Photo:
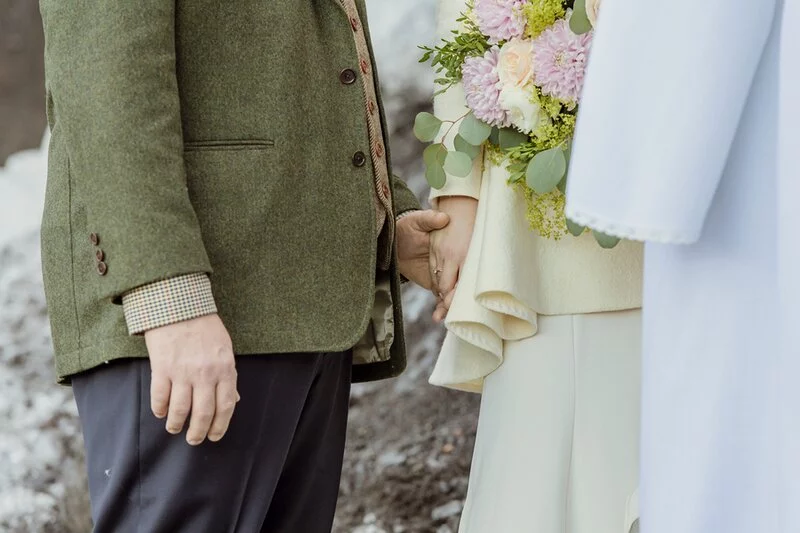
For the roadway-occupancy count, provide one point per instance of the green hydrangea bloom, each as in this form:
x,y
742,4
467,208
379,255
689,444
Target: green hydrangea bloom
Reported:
x,y
545,212
541,14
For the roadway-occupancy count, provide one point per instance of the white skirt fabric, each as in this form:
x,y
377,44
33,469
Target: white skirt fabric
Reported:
x,y
557,449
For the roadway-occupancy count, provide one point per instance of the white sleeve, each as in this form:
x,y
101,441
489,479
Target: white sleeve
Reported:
x,y
665,90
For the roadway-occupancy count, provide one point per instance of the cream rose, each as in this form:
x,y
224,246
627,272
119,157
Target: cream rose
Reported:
x,y
525,112
515,65
592,9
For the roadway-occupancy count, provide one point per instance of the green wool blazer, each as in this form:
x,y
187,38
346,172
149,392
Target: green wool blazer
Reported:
x,y
210,136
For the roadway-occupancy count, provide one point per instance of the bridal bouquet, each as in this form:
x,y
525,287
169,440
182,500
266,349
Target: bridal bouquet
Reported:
x,y
522,64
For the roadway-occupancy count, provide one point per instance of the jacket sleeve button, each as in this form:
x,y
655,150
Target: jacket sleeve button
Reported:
x,y
100,255
94,238
102,268
359,159
347,76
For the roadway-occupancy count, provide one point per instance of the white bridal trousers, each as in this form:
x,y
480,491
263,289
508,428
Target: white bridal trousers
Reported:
x,y
557,449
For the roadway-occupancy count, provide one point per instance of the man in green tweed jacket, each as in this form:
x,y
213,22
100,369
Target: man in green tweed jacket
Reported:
x,y
219,184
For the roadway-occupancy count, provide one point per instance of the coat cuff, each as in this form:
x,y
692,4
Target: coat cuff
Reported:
x,y
167,302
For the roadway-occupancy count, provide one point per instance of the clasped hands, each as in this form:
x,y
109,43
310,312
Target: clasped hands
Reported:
x,y
432,247
448,251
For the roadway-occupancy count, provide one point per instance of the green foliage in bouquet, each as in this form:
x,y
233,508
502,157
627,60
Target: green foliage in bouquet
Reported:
x,y
448,57
537,162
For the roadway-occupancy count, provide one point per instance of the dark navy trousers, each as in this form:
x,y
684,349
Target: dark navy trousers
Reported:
x,y
277,470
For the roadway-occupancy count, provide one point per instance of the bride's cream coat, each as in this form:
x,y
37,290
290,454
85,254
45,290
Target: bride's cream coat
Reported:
x,y
511,274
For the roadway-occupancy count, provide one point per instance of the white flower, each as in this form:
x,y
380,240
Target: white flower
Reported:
x,y
592,9
523,109
515,65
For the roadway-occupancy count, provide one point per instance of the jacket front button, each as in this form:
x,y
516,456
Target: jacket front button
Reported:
x,y
102,268
385,189
371,107
94,238
354,23
347,76
100,255
379,150
359,159
364,66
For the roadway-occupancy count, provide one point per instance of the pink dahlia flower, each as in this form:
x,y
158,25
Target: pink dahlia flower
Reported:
x,y
500,20
482,88
559,61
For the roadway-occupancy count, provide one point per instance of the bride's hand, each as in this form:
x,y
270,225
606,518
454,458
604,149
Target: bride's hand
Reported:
x,y
449,249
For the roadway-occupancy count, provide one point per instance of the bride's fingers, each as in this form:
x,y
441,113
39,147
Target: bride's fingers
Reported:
x,y
448,299
433,268
447,279
440,313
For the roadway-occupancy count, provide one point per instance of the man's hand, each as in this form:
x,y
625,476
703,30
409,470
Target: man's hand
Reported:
x,y
449,249
413,244
193,371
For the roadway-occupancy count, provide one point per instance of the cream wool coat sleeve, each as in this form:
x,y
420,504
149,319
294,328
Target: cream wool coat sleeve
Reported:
x,y
451,105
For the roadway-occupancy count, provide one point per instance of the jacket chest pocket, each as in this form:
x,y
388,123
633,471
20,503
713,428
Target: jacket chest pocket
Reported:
x,y
228,145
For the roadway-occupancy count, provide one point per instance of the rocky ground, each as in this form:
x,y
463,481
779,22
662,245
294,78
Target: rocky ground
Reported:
x,y
409,443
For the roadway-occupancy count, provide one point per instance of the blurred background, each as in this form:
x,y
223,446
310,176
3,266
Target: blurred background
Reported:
x,y
409,444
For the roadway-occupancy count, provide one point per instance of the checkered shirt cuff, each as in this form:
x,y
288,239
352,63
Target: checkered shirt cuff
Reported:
x,y
167,302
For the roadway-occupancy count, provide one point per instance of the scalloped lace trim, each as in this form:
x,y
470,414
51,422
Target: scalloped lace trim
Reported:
x,y
629,232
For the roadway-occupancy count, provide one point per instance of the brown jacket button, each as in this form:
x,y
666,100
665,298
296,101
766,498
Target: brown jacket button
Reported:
x,y
354,23
100,255
347,76
385,189
371,107
94,238
379,150
102,268
364,66
359,159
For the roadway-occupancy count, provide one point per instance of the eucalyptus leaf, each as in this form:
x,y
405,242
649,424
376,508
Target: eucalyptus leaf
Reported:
x,y
511,138
575,228
434,154
562,185
463,146
605,241
545,170
435,176
494,137
579,21
473,130
426,127
458,164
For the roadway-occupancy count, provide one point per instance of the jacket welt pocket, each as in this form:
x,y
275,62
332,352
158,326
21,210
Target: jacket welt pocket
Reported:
x,y
233,145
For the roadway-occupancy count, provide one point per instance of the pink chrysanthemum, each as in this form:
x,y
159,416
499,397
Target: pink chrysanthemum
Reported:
x,y
500,20
482,88
559,61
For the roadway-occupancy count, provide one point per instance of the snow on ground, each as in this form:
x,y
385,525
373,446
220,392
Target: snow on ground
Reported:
x,y
40,443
